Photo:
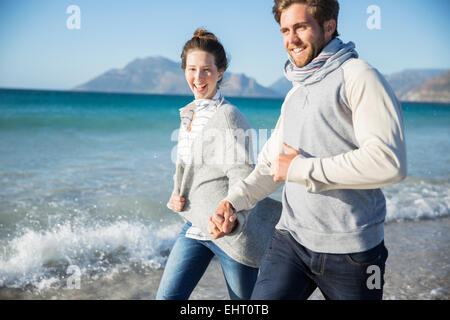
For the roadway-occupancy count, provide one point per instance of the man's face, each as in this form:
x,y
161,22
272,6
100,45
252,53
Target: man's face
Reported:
x,y
303,37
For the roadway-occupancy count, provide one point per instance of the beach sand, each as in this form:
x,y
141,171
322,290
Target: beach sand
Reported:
x,y
418,267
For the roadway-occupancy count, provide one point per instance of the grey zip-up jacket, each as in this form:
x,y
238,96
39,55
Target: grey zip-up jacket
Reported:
x,y
348,126
221,158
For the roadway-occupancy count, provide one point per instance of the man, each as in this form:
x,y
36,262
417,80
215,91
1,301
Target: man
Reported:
x,y
338,140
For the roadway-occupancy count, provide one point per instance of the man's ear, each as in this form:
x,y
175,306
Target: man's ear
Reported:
x,y
329,27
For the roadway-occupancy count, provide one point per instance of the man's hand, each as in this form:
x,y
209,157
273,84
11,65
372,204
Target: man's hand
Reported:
x,y
223,221
176,203
280,165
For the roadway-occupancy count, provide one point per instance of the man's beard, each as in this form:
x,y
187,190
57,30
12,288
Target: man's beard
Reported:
x,y
312,51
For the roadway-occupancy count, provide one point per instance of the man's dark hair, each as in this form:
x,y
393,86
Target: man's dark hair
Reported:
x,y
321,10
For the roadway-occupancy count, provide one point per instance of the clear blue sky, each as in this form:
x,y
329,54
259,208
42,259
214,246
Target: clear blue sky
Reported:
x,y
37,50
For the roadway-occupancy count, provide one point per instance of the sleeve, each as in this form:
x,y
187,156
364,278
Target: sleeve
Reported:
x,y
380,159
175,158
245,193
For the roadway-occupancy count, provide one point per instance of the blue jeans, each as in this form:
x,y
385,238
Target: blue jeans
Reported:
x,y
187,263
290,271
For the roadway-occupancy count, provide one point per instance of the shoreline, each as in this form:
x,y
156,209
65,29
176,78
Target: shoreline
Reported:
x,y
418,268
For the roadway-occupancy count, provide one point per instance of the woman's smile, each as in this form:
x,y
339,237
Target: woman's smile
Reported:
x,y
202,74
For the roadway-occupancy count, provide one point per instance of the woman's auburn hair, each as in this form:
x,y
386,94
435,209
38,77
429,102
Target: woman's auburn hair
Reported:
x,y
206,41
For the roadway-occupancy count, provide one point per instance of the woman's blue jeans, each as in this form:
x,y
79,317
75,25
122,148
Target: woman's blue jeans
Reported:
x,y
187,263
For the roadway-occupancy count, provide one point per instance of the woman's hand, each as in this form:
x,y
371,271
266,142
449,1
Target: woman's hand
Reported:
x,y
213,230
223,221
176,203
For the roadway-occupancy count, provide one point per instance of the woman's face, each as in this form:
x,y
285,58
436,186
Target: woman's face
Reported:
x,y
202,74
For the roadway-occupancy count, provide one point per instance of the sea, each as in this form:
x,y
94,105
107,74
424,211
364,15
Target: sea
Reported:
x,y
85,178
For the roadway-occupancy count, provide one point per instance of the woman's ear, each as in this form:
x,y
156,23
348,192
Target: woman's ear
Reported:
x,y
221,72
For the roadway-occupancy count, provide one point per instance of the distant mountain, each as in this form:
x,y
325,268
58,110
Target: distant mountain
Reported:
x,y
281,86
434,90
159,75
239,85
407,80
408,85
156,75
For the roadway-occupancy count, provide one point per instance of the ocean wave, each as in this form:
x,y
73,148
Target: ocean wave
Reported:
x,y
418,198
44,255
43,260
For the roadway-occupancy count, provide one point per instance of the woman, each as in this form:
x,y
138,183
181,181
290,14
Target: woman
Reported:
x,y
213,154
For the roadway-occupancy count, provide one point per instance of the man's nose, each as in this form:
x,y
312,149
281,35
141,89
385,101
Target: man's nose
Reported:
x,y
293,37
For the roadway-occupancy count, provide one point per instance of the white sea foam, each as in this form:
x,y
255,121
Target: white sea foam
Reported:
x,y
40,259
109,239
417,198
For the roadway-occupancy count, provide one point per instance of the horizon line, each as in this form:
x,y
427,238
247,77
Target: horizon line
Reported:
x,y
181,95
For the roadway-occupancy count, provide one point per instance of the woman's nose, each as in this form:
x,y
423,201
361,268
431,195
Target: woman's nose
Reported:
x,y
199,75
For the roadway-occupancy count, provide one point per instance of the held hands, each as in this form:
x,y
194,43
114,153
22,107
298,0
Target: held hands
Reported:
x,y
176,203
280,165
223,221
